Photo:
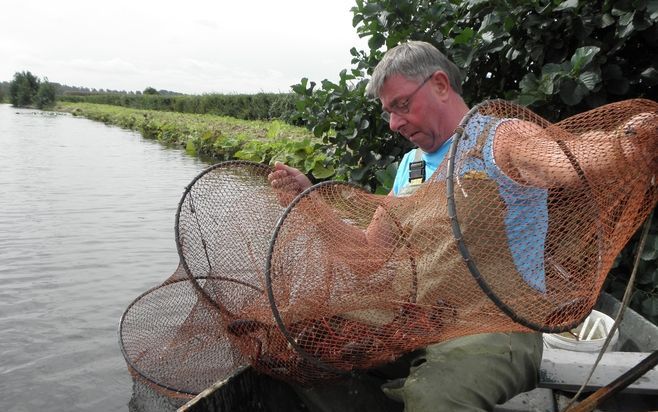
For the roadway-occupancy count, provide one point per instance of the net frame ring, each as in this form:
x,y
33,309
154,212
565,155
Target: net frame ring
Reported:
x,y
160,383
269,284
459,238
268,271
187,197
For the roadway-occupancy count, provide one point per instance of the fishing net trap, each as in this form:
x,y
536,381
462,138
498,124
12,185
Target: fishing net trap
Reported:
x,y
338,279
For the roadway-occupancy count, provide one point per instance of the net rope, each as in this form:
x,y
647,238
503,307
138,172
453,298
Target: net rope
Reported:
x,y
341,280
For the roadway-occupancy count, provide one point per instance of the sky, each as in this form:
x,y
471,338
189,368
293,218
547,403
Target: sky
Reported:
x,y
187,46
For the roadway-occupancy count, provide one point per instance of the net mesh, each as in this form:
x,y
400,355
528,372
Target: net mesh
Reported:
x,y
495,240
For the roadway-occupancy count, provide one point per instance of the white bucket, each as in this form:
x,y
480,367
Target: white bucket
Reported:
x,y
589,336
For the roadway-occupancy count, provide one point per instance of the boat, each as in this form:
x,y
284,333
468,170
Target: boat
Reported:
x,y
563,371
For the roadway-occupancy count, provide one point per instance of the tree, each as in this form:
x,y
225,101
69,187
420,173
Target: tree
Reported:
x,y
45,96
150,90
23,89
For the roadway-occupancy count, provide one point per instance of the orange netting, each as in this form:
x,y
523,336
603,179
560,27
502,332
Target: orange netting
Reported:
x,y
342,279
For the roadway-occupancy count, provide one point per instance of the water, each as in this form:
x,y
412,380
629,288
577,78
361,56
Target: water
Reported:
x,y
86,225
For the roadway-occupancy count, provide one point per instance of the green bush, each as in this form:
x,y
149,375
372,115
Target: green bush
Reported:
x,y
358,141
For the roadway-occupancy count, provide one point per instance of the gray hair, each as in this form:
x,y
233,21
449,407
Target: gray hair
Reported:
x,y
414,60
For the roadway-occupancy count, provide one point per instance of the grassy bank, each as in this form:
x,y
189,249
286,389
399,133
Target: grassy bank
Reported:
x,y
216,138
260,106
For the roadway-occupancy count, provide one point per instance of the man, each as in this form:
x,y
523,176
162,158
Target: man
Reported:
x,y
419,89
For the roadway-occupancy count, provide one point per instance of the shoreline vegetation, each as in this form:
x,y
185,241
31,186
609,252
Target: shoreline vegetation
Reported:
x,y
216,138
260,106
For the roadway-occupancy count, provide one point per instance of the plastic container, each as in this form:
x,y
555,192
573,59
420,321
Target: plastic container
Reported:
x,y
589,336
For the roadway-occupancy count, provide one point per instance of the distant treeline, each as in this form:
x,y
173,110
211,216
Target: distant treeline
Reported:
x,y
260,106
63,89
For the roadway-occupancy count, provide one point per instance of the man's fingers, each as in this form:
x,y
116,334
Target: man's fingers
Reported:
x,y
284,182
278,166
285,185
287,179
277,175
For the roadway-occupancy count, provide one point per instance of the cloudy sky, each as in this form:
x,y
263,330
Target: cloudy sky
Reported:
x,y
189,46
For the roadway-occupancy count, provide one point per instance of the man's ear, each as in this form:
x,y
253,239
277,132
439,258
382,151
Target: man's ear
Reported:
x,y
440,83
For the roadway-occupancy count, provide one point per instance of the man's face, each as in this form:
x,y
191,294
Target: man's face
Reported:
x,y
415,111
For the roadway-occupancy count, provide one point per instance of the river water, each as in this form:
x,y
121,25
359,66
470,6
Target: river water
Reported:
x,y
86,225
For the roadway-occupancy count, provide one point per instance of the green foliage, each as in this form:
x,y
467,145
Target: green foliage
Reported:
x,y
23,88
351,128
45,96
261,106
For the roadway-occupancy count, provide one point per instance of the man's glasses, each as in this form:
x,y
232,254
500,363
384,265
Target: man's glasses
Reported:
x,y
402,107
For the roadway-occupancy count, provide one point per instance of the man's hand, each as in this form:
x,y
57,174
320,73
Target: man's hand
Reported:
x,y
287,182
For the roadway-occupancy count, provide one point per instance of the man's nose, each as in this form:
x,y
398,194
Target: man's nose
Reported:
x,y
395,122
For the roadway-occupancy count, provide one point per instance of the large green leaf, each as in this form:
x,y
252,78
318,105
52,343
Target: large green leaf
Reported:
x,y
582,57
566,5
462,56
590,80
626,24
465,36
386,178
651,75
321,171
376,41
529,82
548,82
